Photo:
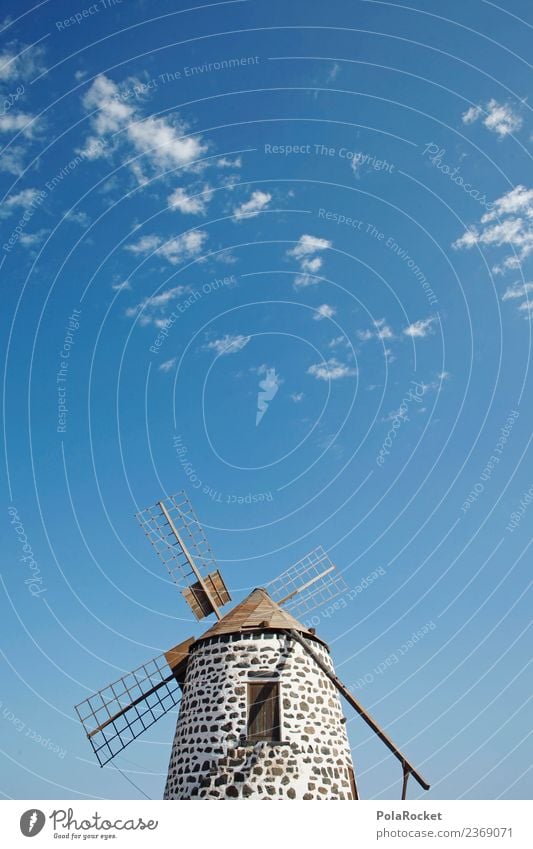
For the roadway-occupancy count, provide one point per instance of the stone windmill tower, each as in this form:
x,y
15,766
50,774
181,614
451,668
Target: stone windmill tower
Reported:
x,y
259,709
258,717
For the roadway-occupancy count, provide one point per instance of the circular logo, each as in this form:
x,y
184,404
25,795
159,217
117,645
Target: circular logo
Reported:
x,y
32,822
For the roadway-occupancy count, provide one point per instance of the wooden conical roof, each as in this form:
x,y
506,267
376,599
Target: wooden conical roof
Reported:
x,y
257,612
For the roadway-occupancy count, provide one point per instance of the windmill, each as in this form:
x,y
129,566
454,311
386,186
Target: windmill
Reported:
x,y
259,709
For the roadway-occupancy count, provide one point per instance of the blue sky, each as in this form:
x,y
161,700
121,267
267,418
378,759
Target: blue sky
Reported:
x,y
278,255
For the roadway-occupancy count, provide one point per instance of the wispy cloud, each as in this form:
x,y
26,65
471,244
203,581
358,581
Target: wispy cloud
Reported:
x,y
22,199
31,240
297,397
524,293
195,204
308,246
228,344
499,118
306,252
153,308
331,369
381,331
253,206
339,341
12,122
333,72
420,329
20,62
168,365
324,311
175,250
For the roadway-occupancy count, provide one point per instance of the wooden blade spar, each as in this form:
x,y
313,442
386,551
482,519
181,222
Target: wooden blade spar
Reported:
x,y
408,768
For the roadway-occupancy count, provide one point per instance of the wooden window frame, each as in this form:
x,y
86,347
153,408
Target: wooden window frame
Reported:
x,y
258,681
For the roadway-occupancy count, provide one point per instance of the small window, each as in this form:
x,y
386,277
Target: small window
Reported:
x,y
263,711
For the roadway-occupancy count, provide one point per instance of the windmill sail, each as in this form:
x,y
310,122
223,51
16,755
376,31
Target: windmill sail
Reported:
x,y
122,711
307,584
181,544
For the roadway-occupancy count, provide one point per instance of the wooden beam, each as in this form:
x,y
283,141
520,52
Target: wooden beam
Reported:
x,y
190,560
308,584
128,707
407,767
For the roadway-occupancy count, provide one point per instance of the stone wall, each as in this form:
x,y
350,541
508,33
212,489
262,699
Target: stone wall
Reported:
x,y
210,758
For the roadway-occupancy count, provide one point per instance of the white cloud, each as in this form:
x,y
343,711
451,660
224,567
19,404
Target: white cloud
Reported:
x,y
168,365
508,223
301,281
24,198
517,290
420,329
517,200
499,118
305,252
18,121
20,62
471,114
381,331
162,142
297,397
308,245
339,341
333,72
331,369
324,311
253,206
122,286
527,308
228,344
311,266
183,202
523,292
12,160
174,250
29,240
226,162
